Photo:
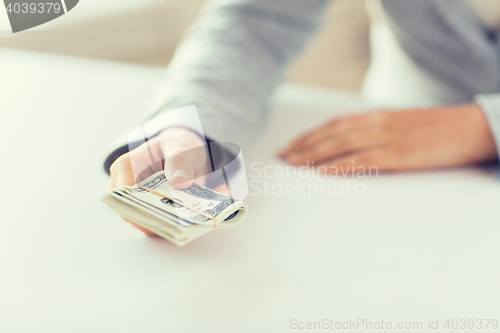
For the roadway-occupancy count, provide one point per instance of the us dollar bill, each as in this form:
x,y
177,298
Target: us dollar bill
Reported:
x,y
178,220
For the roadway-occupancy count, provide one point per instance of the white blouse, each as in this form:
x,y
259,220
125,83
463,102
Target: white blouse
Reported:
x,y
393,79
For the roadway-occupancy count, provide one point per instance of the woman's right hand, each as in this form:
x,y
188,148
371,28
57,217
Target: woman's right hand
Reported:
x,y
182,164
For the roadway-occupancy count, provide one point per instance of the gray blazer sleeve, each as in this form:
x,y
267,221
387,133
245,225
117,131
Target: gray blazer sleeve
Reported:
x,y
229,62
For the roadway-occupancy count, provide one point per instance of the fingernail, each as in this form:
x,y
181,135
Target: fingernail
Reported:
x,y
180,173
282,154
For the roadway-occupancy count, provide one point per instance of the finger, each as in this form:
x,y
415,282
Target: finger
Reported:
x,y
312,136
373,159
179,166
121,172
333,147
144,230
282,154
337,126
121,175
145,160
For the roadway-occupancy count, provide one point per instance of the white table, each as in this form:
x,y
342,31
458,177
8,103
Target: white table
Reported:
x,y
414,247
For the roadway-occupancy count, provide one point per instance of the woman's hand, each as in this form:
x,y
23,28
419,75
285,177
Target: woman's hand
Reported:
x,y
399,140
172,150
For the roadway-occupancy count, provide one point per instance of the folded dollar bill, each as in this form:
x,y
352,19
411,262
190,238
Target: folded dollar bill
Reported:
x,y
179,216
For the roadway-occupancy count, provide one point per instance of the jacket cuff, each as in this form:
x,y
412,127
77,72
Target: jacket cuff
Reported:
x,y
490,104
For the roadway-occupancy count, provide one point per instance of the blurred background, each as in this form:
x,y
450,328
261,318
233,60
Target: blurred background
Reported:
x,y
148,31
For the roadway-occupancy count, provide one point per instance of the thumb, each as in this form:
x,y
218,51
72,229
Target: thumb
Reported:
x,y
179,170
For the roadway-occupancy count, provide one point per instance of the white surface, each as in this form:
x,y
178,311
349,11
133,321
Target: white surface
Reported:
x,y
415,247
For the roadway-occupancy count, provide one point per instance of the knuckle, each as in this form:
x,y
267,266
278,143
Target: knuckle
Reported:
x,y
380,120
177,159
120,163
347,141
382,115
175,146
333,123
295,143
124,161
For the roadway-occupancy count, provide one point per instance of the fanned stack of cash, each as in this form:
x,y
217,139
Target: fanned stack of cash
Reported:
x,y
178,220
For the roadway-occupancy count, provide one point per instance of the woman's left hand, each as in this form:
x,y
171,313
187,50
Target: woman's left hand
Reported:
x,y
399,140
